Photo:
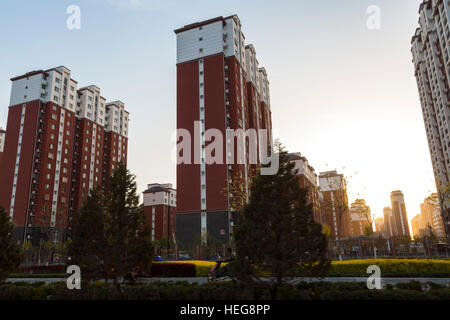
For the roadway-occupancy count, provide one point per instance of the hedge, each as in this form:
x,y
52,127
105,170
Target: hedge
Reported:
x,y
358,268
164,269
223,291
202,268
391,268
350,268
36,269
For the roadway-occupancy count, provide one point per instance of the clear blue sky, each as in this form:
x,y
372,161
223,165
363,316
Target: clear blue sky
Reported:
x,y
342,95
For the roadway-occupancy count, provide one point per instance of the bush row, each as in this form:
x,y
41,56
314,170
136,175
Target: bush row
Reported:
x,y
350,268
358,268
392,268
35,269
163,269
224,291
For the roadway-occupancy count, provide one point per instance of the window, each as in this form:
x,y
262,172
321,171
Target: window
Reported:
x,y
57,80
51,155
47,187
48,176
200,39
54,117
46,197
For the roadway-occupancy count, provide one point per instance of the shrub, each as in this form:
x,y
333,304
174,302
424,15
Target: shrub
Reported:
x,y
202,268
412,285
57,268
162,269
218,291
392,268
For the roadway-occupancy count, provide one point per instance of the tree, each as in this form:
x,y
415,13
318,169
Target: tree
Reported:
x,y
110,237
10,256
87,248
444,203
128,237
276,230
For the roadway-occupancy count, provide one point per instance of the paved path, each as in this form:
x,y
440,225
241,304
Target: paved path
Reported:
x,y
201,280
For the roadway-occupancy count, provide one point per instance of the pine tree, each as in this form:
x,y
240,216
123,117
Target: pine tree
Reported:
x,y
88,245
10,256
128,237
110,236
276,230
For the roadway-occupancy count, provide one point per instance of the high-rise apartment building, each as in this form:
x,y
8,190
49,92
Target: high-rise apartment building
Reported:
x,y
431,216
220,87
360,217
379,226
416,226
334,204
307,178
160,202
431,58
400,224
55,152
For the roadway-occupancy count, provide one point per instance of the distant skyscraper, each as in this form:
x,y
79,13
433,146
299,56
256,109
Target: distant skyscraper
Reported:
x,y
431,58
360,216
379,226
55,152
220,86
334,204
389,224
416,223
160,201
400,218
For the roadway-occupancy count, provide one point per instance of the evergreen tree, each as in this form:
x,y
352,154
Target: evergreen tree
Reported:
x,y
88,246
276,230
128,237
10,256
110,236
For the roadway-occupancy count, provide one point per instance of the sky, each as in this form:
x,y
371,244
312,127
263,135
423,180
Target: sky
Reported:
x,y
342,94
